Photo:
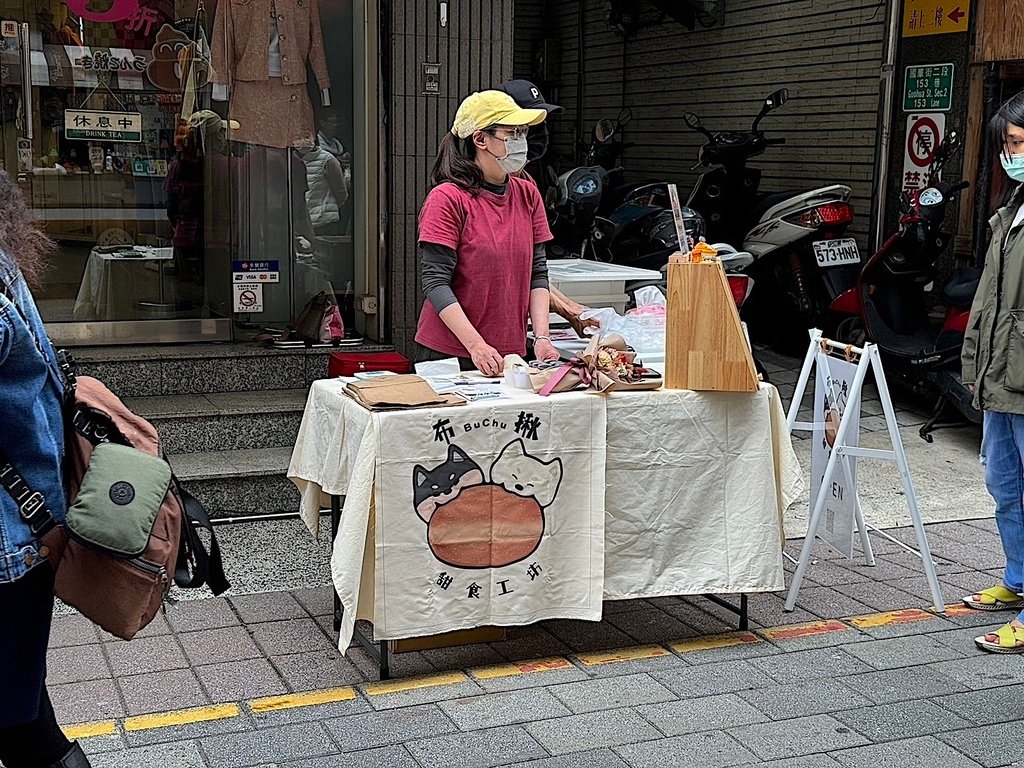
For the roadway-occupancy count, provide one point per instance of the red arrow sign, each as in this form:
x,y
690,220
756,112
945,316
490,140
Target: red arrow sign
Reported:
x,y
956,15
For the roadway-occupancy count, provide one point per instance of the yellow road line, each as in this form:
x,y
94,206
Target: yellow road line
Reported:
x,y
181,717
493,671
623,654
807,629
305,699
489,672
711,642
413,683
889,618
88,730
959,609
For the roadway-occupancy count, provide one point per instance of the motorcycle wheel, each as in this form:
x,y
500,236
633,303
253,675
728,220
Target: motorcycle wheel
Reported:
x,y
850,330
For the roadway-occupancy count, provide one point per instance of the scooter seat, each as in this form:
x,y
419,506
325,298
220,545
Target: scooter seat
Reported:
x,y
764,204
963,284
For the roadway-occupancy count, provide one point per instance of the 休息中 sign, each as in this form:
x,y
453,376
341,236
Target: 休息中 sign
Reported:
x,y
83,124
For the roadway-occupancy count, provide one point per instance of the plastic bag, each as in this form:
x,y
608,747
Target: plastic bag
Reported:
x,y
645,333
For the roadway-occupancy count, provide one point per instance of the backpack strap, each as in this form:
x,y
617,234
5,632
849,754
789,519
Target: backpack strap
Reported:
x,y
31,504
195,566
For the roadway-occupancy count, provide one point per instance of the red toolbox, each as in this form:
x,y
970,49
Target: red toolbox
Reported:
x,y
351,363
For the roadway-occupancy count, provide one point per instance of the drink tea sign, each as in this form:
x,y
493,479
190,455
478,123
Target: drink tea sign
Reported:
x,y
86,125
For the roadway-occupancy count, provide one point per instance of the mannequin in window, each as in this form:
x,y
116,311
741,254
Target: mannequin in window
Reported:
x,y
260,50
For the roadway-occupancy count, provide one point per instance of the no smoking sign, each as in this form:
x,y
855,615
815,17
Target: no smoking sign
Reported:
x,y
924,134
248,298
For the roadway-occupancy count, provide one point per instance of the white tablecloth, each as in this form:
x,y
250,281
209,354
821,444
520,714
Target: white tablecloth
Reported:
x,y
112,284
695,488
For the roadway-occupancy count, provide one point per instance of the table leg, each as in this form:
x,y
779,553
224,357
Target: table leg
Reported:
x,y
385,668
335,524
740,610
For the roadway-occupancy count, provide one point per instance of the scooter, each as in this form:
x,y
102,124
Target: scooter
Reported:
x,y
892,301
594,217
802,261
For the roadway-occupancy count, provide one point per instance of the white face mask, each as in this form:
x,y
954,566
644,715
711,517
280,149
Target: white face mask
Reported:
x,y
516,151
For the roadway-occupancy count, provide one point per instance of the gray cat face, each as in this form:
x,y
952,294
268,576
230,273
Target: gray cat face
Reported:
x,y
437,486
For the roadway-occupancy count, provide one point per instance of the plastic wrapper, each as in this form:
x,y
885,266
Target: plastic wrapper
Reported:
x,y
644,333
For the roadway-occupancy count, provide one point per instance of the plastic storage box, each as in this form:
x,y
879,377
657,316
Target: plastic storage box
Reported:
x,y
595,283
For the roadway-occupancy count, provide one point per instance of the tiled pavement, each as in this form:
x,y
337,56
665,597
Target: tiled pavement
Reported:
x,y
678,687
256,680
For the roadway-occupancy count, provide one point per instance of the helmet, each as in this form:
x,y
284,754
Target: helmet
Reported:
x,y
660,230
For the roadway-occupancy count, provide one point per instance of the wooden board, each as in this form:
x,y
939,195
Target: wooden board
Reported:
x,y
705,347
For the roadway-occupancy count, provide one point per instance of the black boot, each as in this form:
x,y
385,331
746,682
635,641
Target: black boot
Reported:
x,y
75,758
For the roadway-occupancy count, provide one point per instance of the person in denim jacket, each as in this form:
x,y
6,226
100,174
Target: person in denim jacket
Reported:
x,y
32,441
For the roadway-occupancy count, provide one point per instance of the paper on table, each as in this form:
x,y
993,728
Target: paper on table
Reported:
x,y
438,367
395,392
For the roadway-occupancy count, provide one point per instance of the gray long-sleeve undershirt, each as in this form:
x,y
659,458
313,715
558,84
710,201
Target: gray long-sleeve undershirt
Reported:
x,y
438,272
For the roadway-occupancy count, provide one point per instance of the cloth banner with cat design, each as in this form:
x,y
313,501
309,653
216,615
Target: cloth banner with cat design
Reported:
x,y
490,514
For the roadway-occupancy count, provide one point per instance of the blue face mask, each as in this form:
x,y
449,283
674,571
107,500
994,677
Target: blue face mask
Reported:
x,y
1013,165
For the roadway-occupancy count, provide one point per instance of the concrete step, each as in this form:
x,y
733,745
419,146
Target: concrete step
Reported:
x,y
229,421
239,483
187,369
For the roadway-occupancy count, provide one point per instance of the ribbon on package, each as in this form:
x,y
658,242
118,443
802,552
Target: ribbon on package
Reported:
x,y
606,365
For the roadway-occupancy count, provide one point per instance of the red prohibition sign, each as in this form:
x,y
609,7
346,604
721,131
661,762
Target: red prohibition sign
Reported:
x,y
923,125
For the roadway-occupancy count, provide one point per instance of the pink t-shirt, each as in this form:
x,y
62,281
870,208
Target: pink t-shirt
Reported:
x,y
493,236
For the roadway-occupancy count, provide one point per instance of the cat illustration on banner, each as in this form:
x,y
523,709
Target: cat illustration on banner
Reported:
x,y
476,523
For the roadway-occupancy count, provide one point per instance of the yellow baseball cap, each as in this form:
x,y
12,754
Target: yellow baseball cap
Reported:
x,y
486,108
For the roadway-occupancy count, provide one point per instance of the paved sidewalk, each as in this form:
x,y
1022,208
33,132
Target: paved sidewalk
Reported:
x,y
860,675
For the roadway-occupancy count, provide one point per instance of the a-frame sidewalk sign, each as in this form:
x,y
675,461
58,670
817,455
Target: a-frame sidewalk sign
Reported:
x,y
843,451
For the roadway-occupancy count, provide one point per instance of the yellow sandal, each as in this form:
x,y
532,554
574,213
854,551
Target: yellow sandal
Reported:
x,y
1009,638
997,598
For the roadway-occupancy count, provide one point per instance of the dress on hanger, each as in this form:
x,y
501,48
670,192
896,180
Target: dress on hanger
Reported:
x,y
260,50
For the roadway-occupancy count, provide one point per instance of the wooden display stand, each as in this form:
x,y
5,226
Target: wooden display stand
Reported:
x,y
705,347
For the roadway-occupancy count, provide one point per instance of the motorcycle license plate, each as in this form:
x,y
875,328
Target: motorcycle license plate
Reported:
x,y
832,253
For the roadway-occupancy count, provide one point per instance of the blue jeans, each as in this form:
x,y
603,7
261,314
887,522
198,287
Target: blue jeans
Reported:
x,y
1003,448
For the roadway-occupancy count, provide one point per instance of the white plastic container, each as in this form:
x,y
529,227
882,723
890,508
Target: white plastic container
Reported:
x,y
594,283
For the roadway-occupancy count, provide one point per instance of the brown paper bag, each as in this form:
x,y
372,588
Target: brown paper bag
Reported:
x,y
399,392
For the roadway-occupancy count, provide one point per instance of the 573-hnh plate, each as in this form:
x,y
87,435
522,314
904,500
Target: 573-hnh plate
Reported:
x,y
832,253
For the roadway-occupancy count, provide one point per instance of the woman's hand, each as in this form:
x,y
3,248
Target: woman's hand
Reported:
x,y
544,350
486,359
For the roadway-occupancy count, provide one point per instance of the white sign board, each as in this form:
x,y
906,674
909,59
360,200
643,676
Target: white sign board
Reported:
x,y
840,389
84,124
248,298
924,134
833,385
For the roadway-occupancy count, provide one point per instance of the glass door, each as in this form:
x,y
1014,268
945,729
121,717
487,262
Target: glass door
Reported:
x,y
195,161
90,109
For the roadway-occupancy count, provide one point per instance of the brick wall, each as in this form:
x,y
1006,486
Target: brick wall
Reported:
x,y
826,52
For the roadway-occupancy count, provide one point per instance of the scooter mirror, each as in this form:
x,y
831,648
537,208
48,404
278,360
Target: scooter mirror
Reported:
x,y
604,130
946,148
692,121
777,99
